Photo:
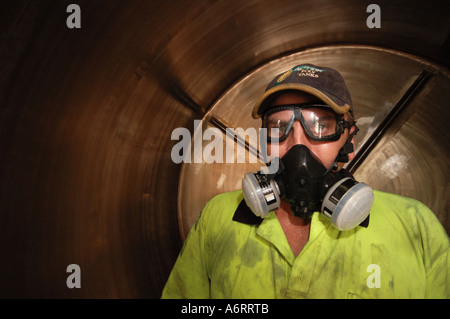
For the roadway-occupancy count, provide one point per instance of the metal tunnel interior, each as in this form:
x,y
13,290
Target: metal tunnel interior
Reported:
x,y
86,117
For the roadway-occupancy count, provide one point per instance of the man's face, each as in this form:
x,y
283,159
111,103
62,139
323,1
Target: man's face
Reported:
x,y
325,151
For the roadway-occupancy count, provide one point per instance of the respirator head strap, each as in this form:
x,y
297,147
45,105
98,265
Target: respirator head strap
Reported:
x,y
347,148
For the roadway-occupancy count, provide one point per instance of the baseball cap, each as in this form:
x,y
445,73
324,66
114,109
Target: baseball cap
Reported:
x,y
325,83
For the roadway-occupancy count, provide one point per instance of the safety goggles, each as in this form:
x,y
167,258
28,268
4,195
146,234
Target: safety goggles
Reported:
x,y
319,121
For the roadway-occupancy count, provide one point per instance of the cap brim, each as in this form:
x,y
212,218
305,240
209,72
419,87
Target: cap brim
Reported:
x,y
340,109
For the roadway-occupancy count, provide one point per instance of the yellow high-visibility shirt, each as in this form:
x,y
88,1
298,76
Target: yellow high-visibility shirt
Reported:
x,y
403,253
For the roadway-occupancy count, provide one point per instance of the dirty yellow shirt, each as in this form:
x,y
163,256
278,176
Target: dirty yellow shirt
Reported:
x,y
404,253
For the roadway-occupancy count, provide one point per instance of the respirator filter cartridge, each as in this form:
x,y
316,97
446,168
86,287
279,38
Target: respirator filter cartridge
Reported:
x,y
261,195
348,203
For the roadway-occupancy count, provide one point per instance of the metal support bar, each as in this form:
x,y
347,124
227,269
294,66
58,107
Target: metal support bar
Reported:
x,y
400,107
236,138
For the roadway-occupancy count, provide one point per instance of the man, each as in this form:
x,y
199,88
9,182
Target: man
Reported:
x,y
403,251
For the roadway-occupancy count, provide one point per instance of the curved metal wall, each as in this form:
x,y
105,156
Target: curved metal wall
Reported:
x,y
404,157
86,117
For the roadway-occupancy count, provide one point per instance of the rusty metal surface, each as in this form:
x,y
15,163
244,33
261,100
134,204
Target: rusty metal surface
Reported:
x,y
86,118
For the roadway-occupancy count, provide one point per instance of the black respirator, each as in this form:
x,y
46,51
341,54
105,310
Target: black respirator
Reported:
x,y
308,186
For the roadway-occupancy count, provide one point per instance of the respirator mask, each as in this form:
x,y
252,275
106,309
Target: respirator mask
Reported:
x,y
305,183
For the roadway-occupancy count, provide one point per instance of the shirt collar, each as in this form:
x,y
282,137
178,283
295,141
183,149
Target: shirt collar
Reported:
x,y
244,214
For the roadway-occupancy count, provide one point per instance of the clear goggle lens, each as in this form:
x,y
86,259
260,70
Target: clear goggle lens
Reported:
x,y
318,121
